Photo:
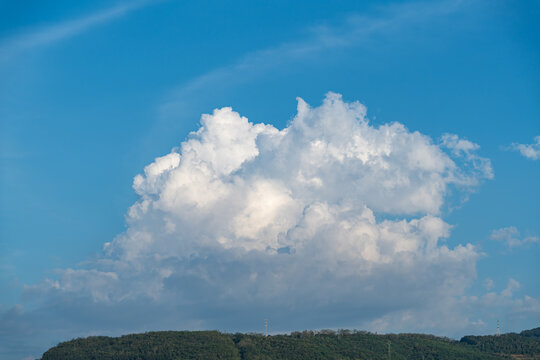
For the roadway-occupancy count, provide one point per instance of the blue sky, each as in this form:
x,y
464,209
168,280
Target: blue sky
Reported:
x,y
93,92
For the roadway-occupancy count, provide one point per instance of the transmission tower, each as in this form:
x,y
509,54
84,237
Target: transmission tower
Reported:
x,y
265,327
498,329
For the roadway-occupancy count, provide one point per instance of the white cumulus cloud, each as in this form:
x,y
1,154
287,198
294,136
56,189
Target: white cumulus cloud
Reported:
x,y
511,236
530,151
314,186
330,221
302,210
290,215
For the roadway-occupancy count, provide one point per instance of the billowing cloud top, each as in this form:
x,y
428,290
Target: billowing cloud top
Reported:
x,y
247,186
330,213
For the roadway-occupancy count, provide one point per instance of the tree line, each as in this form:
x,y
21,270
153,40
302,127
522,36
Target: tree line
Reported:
x,y
323,344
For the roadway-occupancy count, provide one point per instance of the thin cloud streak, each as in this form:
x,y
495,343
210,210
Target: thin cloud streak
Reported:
x,y
44,36
354,30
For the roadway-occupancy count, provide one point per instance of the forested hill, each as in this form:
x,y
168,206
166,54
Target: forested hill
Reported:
x,y
527,343
324,344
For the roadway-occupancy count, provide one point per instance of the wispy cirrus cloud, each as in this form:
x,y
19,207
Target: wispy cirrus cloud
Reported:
x,y
47,35
352,31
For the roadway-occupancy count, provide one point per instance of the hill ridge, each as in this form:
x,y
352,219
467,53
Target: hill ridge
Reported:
x,y
322,344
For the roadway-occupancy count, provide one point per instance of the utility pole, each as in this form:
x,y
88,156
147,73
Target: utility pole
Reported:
x,y
265,327
389,357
